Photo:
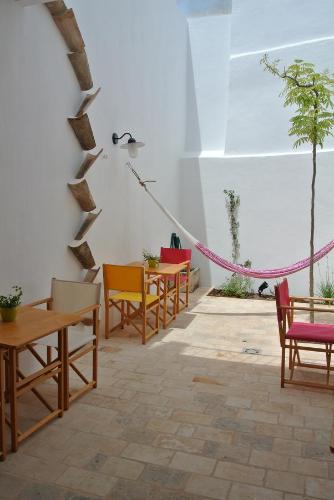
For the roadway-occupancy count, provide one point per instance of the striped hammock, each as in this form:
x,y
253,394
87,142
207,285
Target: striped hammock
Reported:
x,y
229,266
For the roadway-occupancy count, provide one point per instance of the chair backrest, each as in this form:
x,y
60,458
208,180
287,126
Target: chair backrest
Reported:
x,y
282,299
123,278
174,255
71,296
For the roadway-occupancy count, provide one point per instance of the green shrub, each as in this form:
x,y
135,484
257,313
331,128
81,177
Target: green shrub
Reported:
x,y
237,286
326,287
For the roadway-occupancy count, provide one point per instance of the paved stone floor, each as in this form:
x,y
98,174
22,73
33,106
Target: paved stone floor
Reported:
x,y
157,429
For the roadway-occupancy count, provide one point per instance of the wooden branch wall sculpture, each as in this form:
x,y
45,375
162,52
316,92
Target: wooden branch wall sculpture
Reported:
x,y
82,194
83,131
91,275
83,254
87,163
67,25
87,102
86,225
80,65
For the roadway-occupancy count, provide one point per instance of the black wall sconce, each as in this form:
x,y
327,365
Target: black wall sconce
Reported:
x,y
132,145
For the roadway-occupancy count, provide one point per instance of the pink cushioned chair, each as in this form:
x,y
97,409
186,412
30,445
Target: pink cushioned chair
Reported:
x,y
298,336
179,256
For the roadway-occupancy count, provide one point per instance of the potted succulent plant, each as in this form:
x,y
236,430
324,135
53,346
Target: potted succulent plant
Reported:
x,y
9,304
152,260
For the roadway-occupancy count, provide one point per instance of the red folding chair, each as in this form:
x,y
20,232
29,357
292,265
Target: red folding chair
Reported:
x,y
298,336
179,256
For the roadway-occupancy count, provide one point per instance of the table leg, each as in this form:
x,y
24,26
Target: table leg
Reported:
x,y
177,279
2,409
66,372
61,374
331,446
165,304
13,398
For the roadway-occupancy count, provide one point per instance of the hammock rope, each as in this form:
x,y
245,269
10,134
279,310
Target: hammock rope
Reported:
x,y
229,266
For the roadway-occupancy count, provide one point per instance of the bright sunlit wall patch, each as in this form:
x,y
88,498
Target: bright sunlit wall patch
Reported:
x,y
199,8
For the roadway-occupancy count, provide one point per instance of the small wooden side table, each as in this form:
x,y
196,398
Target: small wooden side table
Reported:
x,y
32,324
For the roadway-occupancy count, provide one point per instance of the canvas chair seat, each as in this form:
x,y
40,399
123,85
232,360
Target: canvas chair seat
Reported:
x,y
311,332
78,336
134,297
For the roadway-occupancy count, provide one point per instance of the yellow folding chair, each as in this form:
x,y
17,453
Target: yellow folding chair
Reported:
x,y
126,289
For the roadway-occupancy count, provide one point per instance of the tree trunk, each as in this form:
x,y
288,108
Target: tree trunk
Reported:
x,y
314,155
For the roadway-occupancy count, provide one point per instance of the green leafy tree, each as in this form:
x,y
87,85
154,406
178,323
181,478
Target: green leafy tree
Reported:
x,y
310,93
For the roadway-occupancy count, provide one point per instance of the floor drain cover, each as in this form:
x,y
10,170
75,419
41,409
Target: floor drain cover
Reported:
x,y
251,350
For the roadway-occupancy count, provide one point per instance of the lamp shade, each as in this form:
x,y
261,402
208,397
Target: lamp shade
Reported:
x,y
132,146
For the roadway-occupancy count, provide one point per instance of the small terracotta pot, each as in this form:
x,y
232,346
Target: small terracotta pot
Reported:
x,y
8,314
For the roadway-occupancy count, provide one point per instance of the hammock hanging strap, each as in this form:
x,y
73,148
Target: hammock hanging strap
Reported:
x,y
229,266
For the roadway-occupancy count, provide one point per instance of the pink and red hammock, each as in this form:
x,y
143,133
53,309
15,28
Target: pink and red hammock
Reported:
x,y
229,266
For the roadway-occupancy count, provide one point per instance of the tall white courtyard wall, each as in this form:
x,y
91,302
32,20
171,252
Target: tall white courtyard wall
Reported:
x,y
137,54
259,162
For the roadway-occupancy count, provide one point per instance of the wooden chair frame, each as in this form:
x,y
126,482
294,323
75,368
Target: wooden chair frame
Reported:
x,y
71,356
18,384
184,287
294,347
129,312
3,450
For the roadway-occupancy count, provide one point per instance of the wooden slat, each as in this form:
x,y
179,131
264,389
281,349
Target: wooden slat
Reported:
x,y
91,275
56,7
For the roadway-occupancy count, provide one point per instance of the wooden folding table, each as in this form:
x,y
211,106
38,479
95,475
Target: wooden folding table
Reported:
x,y
32,324
167,294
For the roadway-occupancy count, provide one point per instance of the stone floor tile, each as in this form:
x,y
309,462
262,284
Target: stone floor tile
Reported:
x,y
309,467
258,416
241,473
231,453
163,425
124,489
121,467
213,434
254,440
274,430
209,487
145,453
36,491
269,459
238,402
247,492
317,451
188,445
164,477
87,481
234,424
285,481
320,488
191,418
10,486
287,447
302,434
193,463
186,430
139,435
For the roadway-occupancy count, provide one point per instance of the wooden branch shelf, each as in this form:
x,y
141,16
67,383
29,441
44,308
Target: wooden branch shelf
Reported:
x,y
91,275
81,68
83,254
88,100
86,225
82,194
69,29
83,131
56,7
87,163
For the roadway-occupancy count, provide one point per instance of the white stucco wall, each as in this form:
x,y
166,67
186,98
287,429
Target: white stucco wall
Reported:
x,y
259,162
137,54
